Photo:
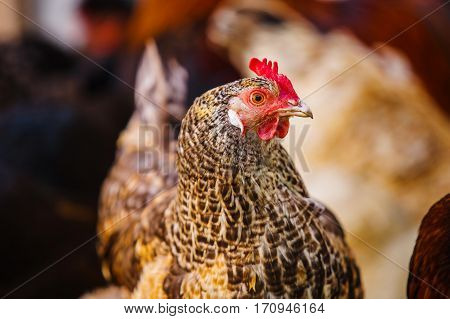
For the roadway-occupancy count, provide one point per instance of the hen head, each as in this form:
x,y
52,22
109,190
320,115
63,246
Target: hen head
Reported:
x,y
266,103
257,107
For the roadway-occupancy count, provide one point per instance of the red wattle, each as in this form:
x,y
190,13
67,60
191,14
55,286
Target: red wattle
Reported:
x,y
283,128
267,130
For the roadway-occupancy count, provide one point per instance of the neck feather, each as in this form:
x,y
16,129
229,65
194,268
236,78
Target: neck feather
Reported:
x,y
225,180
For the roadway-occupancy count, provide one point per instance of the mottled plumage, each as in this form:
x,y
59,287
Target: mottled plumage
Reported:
x,y
239,223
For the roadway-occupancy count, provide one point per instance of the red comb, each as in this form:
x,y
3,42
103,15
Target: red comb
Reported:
x,y
268,70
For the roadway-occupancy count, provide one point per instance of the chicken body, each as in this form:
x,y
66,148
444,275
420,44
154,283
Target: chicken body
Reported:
x,y
239,223
430,263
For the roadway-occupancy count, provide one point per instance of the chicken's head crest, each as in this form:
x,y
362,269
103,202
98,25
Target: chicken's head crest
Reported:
x,y
269,70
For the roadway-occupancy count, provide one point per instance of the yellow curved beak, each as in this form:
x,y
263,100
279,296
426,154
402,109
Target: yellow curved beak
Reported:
x,y
296,108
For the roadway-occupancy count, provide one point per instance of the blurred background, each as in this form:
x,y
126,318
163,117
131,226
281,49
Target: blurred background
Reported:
x,y
377,151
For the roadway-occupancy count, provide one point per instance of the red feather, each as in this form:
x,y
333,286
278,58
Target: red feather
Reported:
x,y
265,69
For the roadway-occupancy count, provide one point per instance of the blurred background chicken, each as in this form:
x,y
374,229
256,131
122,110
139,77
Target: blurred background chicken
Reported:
x,y
60,116
391,101
430,263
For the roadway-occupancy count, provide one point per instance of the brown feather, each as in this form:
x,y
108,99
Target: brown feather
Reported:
x,y
239,224
430,263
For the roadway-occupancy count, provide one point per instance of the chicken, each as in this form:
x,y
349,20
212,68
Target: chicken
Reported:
x,y
51,103
430,263
234,219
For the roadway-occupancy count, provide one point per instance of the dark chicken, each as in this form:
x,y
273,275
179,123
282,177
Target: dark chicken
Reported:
x,y
239,222
430,263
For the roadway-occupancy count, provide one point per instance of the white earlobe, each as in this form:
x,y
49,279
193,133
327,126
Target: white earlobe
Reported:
x,y
235,120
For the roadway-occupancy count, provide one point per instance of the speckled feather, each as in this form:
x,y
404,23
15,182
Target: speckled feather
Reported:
x,y
239,224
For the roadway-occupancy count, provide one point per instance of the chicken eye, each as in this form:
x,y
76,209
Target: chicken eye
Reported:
x,y
257,98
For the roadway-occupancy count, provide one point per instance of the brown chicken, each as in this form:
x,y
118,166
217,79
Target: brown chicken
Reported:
x,y
239,222
430,263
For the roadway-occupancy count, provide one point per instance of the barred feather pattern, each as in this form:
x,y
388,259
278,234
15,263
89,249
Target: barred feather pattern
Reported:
x,y
143,179
241,203
239,224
